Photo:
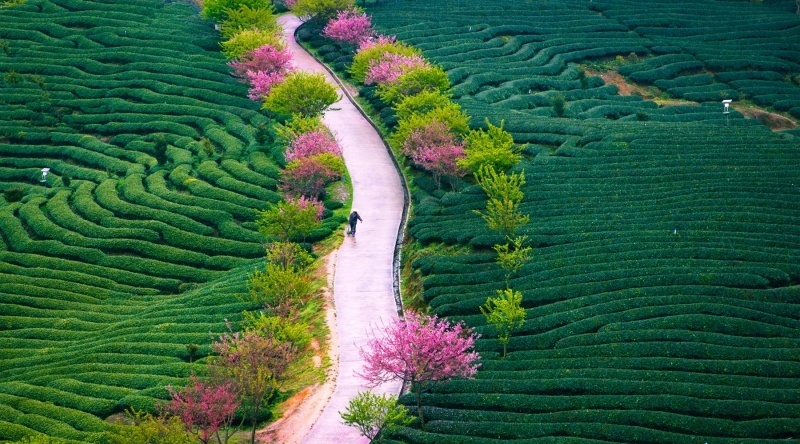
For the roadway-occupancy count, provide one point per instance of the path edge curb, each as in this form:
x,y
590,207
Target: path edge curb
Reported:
x,y
398,245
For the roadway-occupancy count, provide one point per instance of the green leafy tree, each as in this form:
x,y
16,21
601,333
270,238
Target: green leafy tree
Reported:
x,y
505,314
288,220
493,146
415,81
321,10
421,103
248,40
505,195
512,255
218,9
279,286
371,413
298,125
245,17
301,93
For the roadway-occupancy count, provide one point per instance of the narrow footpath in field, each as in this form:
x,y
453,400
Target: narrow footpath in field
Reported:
x,y
362,280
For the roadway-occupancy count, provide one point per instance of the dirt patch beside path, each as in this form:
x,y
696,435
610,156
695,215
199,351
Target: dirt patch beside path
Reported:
x,y
301,411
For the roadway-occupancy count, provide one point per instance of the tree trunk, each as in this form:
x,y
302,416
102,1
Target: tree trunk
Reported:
x,y
416,388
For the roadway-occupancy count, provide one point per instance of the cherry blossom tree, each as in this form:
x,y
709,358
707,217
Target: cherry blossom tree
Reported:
x,y
308,176
265,58
433,148
261,83
440,160
205,409
312,143
263,68
392,66
349,26
255,363
420,350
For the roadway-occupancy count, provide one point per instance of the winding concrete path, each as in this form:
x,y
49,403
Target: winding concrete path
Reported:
x,y
362,284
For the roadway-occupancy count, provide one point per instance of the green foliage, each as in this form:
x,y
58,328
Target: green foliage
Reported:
x,y
277,286
244,17
286,221
422,103
558,103
14,194
321,10
491,147
371,413
415,81
282,328
11,3
40,439
289,255
146,428
328,160
505,195
301,93
450,114
505,314
512,255
247,40
297,125
373,54
219,10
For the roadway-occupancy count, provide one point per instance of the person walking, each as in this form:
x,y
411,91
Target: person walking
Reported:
x,y
354,219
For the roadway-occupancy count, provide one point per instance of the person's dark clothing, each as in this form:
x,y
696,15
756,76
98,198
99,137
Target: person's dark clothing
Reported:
x,y
354,218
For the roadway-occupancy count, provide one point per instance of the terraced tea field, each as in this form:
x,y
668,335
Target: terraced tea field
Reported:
x,y
114,271
663,297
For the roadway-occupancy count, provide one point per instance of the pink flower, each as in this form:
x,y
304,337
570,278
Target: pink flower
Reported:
x,y
265,58
312,143
420,349
434,149
307,176
380,39
204,408
391,66
349,26
261,83
305,203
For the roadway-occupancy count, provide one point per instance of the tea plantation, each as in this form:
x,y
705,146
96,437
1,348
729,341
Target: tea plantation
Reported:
x,y
117,268
663,296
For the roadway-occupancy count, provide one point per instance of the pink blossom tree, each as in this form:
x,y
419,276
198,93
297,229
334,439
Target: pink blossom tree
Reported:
x,y
263,68
349,26
434,148
266,58
391,66
308,176
255,363
379,39
309,204
420,350
205,409
312,143
261,83
441,160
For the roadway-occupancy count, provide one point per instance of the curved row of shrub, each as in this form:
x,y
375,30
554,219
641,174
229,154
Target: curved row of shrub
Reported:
x,y
664,266
159,167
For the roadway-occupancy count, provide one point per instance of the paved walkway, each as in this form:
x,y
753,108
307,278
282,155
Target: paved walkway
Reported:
x,y
362,285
